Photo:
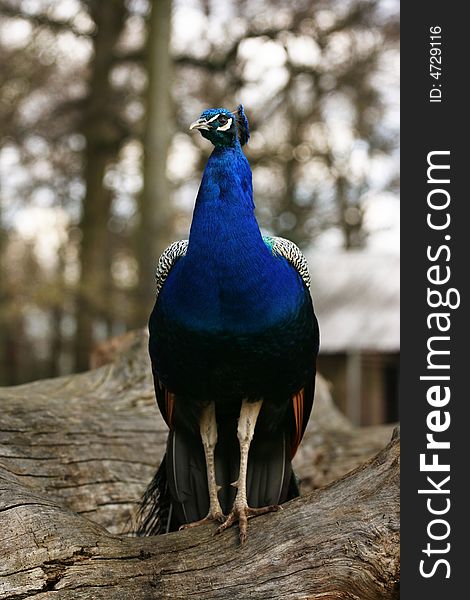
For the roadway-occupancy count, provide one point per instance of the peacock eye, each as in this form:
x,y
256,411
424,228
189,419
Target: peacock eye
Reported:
x,y
222,119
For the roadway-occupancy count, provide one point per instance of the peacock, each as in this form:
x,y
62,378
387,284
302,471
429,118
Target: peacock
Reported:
x,y
233,346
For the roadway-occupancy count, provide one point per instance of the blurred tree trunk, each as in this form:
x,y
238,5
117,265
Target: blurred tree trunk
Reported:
x,y
103,136
56,315
5,378
350,215
3,301
154,233
292,214
10,321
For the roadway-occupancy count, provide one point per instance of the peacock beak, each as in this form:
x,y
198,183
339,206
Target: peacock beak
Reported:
x,y
199,124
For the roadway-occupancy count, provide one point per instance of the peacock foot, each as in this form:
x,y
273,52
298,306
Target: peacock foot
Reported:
x,y
215,515
241,512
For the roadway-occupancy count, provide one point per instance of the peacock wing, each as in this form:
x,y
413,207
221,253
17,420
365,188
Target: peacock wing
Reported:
x,y
165,398
166,261
286,249
299,413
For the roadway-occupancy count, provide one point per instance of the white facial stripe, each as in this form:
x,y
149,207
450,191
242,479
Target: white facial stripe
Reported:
x,y
213,118
226,126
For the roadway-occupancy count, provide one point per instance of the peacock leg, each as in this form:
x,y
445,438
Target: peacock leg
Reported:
x,y
241,511
208,429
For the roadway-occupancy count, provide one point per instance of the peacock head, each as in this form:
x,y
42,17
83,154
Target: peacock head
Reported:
x,y
223,127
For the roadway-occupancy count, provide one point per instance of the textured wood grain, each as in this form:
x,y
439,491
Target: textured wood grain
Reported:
x,y
77,452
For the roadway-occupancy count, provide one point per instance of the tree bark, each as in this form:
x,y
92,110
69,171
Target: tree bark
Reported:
x,y
77,452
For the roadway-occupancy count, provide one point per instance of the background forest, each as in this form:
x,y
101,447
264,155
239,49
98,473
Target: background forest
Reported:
x,y
98,171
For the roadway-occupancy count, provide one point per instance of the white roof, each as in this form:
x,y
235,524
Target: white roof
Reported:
x,y
356,295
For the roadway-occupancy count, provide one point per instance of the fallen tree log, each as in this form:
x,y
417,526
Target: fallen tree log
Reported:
x,y
77,452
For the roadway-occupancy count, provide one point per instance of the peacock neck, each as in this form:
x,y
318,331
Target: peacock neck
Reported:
x,y
229,280
224,213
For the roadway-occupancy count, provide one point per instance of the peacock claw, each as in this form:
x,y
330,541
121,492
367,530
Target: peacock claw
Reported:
x,y
241,513
217,517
